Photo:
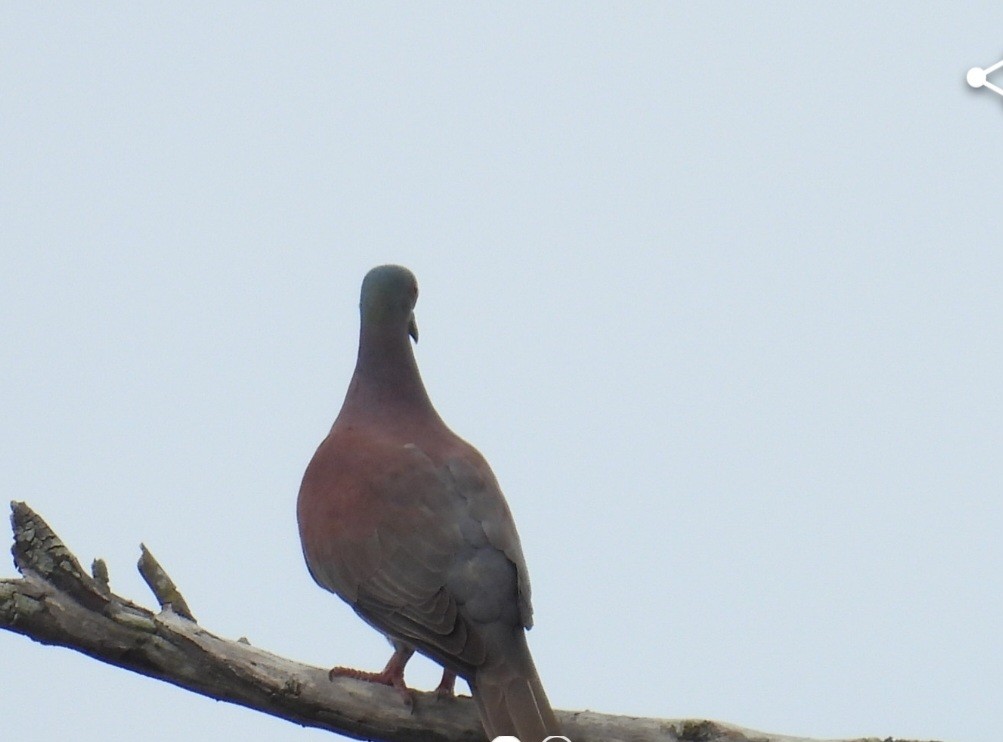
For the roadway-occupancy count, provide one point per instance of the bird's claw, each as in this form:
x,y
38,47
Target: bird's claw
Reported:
x,y
393,679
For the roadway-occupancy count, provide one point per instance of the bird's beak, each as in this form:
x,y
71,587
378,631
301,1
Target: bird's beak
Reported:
x,y
412,327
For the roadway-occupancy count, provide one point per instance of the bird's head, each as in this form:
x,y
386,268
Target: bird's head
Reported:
x,y
389,293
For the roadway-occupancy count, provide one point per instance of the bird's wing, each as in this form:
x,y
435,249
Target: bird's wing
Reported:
x,y
425,551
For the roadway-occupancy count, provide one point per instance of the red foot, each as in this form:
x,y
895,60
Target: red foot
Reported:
x,y
382,678
392,674
446,688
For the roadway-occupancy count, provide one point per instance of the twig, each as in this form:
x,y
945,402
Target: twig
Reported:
x,y
162,585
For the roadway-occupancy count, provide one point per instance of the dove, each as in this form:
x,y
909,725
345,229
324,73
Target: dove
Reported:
x,y
405,521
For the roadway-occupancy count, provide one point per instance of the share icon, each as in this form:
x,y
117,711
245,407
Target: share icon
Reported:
x,y
976,77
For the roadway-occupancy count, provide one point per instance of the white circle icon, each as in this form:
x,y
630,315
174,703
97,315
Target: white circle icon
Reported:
x,y
976,77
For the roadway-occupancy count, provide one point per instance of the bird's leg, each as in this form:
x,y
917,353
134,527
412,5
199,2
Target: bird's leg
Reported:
x,y
392,674
447,684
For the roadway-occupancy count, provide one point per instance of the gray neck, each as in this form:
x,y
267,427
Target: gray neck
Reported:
x,y
386,381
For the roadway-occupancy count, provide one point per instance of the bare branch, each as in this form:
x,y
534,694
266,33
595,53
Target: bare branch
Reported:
x,y
162,585
37,550
56,602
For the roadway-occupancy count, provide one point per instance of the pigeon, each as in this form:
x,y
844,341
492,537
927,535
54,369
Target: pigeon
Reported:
x,y
405,521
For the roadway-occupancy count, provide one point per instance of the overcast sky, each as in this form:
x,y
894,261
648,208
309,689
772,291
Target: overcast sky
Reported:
x,y
715,288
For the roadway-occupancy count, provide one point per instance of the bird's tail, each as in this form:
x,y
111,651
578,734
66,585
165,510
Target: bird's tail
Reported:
x,y
510,696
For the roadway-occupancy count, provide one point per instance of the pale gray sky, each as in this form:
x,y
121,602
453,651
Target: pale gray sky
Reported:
x,y
716,289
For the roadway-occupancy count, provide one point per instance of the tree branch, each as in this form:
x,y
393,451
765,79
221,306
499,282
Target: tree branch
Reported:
x,y
56,602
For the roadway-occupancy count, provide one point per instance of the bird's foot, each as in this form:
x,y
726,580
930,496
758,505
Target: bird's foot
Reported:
x,y
386,677
392,674
446,687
